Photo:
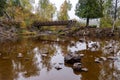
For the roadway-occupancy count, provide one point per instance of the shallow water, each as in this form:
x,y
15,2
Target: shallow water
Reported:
x,y
23,59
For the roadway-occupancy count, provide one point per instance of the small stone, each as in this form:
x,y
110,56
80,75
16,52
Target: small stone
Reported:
x,y
77,66
20,55
97,60
82,55
60,63
103,58
58,68
108,47
84,69
43,55
112,58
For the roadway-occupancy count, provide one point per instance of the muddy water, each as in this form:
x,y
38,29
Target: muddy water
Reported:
x,y
42,58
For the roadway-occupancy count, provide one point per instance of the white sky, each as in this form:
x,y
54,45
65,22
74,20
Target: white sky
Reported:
x,y
58,3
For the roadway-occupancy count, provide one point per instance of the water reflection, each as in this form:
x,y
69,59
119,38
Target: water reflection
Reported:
x,y
39,59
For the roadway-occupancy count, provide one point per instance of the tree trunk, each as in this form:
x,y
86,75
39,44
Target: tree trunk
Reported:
x,y
7,15
87,22
115,15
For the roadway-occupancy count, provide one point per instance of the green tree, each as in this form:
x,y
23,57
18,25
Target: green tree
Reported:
x,y
46,9
15,5
111,13
65,7
89,9
2,6
106,21
19,3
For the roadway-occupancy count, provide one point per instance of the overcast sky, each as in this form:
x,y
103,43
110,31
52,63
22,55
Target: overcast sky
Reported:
x,y
58,3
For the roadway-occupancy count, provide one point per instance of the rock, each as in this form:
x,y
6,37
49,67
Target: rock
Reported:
x,y
80,40
77,66
82,55
97,60
61,63
72,58
84,69
58,67
20,55
45,52
103,58
43,55
108,47
112,58
68,58
72,44
94,45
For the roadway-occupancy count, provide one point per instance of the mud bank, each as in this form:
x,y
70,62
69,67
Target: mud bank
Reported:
x,y
93,32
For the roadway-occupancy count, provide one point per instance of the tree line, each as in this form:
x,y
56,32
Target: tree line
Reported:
x,y
23,10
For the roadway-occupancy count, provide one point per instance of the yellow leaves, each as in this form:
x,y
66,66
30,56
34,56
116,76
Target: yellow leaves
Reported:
x,y
23,24
63,13
46,10
21,15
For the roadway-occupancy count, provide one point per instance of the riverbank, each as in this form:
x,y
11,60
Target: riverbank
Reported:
x,y
92,32
12,30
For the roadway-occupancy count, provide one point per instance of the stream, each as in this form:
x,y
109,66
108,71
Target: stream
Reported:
x,y
42,58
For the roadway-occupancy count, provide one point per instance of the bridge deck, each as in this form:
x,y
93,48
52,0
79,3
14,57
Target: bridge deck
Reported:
x,y
54,23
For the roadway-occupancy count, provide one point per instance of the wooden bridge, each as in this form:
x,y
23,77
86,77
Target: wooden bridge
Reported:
x,y
67,23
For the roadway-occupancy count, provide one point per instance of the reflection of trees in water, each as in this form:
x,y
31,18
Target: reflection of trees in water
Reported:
x,y
51,49
110,69
111,46
107,71
25,65
48,50
6,70
84,44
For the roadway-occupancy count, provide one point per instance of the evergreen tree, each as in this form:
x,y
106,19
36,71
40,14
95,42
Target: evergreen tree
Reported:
x,y
89,9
